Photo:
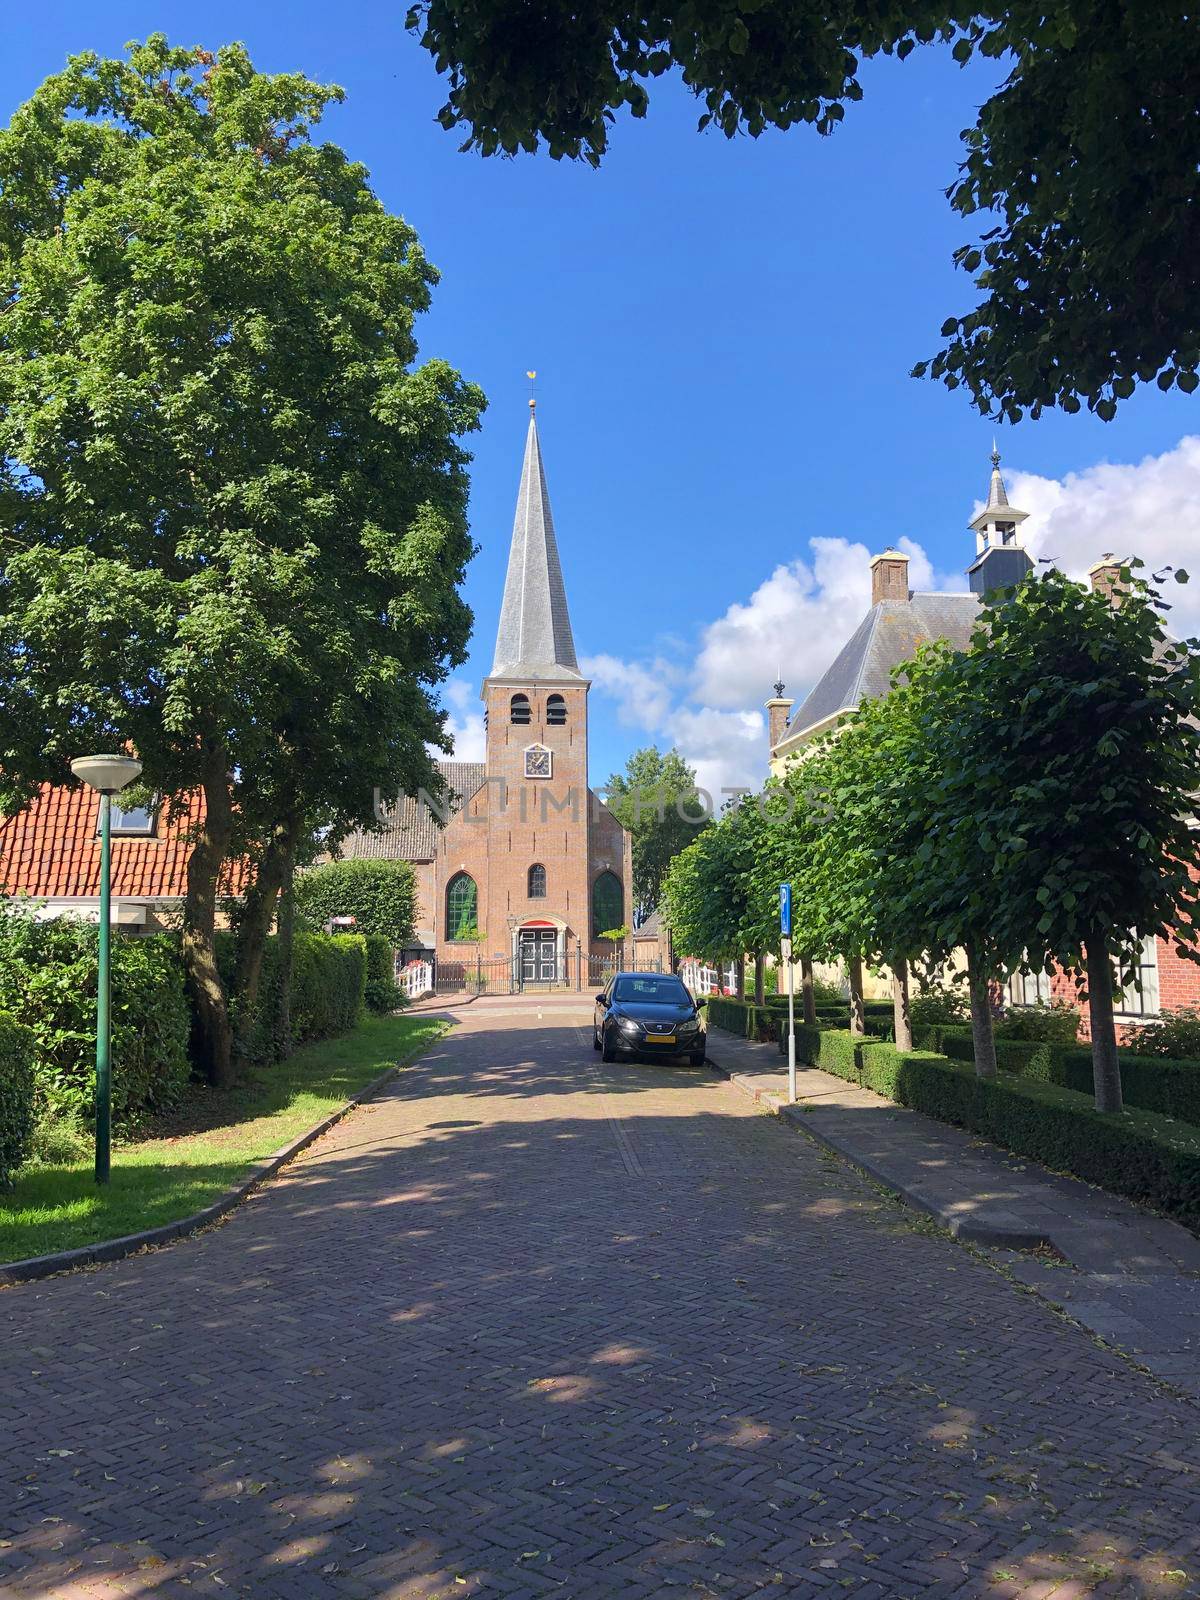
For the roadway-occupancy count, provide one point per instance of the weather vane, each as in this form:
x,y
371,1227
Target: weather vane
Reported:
x,y
532,400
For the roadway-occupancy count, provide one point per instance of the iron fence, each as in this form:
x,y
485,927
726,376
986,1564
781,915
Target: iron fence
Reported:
x,y
572,970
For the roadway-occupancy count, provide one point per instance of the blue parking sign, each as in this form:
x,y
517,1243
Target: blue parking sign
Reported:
x,y
785,910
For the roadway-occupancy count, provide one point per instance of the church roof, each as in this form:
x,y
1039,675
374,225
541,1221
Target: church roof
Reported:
x,y
412,832
889,634
534,637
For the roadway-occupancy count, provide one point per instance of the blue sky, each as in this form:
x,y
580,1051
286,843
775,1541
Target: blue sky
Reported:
x,y
722,333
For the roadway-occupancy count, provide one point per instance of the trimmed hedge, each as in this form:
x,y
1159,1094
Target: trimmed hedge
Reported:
x,y
18,1091
48,973
382,992
1137,1153
329,981
742,1017
1148,1083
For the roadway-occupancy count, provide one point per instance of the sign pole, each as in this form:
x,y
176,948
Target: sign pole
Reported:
x,y
785,951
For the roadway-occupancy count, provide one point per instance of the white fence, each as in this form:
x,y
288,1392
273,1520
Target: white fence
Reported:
x,y
708,980
416,979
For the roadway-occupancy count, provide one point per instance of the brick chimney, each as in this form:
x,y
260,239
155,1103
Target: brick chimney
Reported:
x,y
1105,577
889,576
777,715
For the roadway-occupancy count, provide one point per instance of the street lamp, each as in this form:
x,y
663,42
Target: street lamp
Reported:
x,y
109,775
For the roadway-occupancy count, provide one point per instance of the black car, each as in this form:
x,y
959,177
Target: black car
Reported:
x,y
648,1013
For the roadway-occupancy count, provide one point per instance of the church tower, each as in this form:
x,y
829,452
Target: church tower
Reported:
x,y
547,865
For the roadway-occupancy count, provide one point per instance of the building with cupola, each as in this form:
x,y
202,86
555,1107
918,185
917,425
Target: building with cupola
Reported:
x,y
524,862
898,622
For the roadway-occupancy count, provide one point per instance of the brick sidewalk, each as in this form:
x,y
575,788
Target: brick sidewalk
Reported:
x,y
1130,1276
530,1325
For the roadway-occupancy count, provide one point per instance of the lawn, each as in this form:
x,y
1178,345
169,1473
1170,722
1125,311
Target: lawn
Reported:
x,y
185,1162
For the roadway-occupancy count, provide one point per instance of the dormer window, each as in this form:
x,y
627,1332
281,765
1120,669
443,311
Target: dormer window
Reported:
x,y
132,822
556,710
520,713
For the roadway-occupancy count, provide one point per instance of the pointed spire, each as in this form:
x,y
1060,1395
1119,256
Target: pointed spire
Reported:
x,y
534,637
997,494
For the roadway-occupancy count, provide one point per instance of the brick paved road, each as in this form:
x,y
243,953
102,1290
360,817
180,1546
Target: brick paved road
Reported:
x,y
532,1326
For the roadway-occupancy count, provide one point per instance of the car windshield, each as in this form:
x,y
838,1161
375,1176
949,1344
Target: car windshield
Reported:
x,y
663,991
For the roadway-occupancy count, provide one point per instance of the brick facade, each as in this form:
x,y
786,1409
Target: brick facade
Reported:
x,y
514,823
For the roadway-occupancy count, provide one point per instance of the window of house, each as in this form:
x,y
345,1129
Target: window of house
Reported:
x,y
608,904
132,822
519,711
556,710
462,907
1029,989
1139,998
537,882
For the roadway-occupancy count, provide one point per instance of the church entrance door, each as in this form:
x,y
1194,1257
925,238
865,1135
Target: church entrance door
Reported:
x,y
539,955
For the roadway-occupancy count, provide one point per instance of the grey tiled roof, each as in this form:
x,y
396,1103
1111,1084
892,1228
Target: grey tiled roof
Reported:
x,y
412,832
534,637
889,633
651,928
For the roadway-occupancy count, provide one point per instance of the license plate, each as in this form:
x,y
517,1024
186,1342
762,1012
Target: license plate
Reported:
x,y
663,1038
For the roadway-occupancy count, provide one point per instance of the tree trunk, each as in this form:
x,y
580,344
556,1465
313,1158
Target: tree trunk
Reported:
x,y
901,1018
258,912
739,987
808,993
287,928
982,1035
213,1034
858,1016
760,980
1106,1069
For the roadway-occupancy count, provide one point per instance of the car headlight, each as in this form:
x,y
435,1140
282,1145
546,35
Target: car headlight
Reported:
x,y
689,1027
628,1025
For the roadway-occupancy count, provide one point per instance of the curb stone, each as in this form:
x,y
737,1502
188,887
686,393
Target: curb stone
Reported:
x,y
1017,1236
14,1272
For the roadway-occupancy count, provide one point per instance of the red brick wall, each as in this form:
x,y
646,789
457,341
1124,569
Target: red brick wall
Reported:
x,y
551,821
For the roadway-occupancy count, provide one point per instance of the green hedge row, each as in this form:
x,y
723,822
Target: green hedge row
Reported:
x,y
742,1017
48,979
382,992
329,981
1139,1153
18,1094
1148,1083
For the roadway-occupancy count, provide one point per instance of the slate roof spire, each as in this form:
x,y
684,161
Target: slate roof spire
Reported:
x,y
534,637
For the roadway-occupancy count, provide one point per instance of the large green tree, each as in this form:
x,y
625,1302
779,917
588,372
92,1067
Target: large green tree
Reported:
x,y
232,508
1083,165
656,799
1067,755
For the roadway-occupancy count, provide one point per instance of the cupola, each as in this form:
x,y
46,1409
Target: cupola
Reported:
x,y
1001,560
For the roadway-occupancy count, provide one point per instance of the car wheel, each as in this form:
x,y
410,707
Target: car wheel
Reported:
x,y
697,1058
608,1050
595,1038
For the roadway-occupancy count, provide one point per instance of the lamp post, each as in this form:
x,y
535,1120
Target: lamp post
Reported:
x,y
109,775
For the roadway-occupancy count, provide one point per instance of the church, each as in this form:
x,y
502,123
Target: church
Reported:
x,y
521,863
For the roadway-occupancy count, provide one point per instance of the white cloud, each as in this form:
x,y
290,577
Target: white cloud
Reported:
x,y
727,748
464,724
1149,509
642,690
794,622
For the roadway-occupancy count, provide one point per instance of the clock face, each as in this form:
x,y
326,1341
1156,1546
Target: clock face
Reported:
x,y
538,761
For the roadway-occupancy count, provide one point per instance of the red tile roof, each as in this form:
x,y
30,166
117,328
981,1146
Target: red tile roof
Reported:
x,y
50,850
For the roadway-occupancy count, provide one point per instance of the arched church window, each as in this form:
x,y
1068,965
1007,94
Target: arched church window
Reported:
x,y
556,710
608,904
537,881
462,907
519,710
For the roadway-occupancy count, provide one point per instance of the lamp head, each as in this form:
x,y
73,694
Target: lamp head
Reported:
x,y
108,774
